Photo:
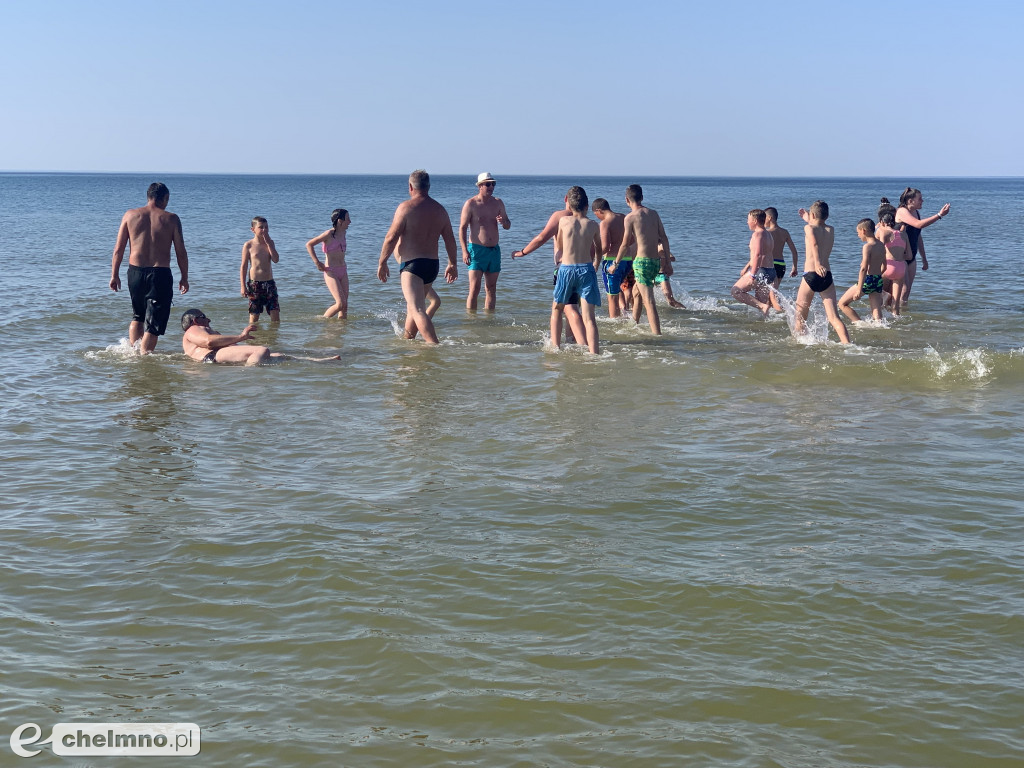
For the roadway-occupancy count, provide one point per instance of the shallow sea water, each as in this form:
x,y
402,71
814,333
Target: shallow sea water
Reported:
x,y
719,547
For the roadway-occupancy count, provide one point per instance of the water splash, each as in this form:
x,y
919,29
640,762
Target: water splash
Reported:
x,y
972,364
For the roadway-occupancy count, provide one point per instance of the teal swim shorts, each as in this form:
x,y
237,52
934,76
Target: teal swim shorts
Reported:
x,y
484,258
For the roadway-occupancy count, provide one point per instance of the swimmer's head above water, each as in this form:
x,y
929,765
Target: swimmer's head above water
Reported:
x,y
192,317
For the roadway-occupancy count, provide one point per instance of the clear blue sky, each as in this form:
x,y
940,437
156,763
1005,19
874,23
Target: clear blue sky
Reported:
x,y
907,89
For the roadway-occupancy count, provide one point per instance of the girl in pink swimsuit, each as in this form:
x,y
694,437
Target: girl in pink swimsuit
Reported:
x,y
896,249
334,245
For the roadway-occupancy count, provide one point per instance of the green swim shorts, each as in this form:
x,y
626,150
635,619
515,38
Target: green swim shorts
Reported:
x,y
646,270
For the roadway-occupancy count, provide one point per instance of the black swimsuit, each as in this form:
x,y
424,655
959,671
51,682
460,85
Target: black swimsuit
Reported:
x,y
425,269
913,239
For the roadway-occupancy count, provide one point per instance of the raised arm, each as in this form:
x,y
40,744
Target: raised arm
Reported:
x,y
549,231
201,337
119,246
903,216
181,254
503,218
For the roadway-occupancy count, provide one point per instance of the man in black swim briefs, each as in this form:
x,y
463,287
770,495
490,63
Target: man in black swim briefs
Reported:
x,y
150,231
413,236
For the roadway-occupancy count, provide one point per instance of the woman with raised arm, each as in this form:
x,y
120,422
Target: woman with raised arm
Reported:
x,y
908,215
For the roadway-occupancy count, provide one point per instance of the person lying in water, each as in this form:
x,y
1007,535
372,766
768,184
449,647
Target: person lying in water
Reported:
x,y
204,344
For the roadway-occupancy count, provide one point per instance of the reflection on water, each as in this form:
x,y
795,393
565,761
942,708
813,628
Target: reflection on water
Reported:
x,y
154,459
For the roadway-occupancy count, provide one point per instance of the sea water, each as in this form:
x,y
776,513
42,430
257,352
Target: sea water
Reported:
x,y
722,546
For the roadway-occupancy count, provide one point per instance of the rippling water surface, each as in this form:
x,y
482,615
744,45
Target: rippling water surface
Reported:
x,y
718,547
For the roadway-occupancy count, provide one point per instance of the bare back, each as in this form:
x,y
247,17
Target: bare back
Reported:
x,y
419,223
779,238
643,226
613,230
579,240
818,241
762,249
151,231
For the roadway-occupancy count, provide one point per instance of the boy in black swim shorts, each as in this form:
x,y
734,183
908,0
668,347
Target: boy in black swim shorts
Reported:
x,y
819,238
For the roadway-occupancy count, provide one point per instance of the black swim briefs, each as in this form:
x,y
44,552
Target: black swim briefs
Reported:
x,y
151,289
817,282
425,269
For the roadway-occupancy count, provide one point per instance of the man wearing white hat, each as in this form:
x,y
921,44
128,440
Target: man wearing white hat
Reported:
x,y
481,216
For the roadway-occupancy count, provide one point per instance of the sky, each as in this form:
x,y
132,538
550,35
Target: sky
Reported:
x,y
718,88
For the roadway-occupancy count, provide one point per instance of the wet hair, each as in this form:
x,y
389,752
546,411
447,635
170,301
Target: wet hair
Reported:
x,y
420,180
819,210
867,224
771,213
908,194
158,191
339,214
577,199
758,215
188,318
600,204
886,213
258,220
635,193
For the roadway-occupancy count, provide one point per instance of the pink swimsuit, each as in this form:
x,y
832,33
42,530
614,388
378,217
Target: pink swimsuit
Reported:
x,y
895,269
337,271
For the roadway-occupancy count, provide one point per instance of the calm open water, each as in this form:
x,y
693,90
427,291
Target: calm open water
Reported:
x,y
721,547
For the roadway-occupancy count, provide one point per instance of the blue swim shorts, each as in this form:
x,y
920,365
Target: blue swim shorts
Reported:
x,y
580,279
484,258
613,282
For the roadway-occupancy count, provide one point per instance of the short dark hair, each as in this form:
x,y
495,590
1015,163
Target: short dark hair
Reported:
x,y
188,318
635,193
771,213
577,198
867,224
819,210
420,179
158,191
758,215
600,204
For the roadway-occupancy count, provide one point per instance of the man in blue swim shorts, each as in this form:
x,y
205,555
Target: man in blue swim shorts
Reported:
x,y
579,242
478,234
151,231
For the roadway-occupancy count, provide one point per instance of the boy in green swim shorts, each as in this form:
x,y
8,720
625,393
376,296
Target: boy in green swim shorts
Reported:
x,y
645,231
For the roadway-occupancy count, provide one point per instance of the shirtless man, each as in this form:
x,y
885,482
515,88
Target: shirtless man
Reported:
x,y
481,215
151,230
579,242
204,344
413,235
613,229
645,231
780,238
257,274
758,274
819,238
572,313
